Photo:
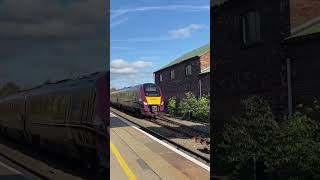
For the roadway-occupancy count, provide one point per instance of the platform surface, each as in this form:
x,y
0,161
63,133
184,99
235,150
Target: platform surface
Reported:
x,y
135,155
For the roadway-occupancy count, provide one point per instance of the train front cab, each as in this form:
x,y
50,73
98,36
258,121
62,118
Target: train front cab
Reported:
x,y
152,98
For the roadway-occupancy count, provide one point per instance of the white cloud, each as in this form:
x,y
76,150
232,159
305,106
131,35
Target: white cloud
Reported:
x,y
125,80
181,33
120,66
142,39
120,12
185,32
117,23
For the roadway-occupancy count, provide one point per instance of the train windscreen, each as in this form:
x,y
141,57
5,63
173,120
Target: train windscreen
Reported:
x,y
151,90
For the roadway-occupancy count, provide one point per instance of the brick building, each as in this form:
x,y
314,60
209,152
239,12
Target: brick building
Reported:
x,y
246,41
268,48
188,73
303,54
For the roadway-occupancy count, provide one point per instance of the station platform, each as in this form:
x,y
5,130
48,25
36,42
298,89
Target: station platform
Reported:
x,y
138,155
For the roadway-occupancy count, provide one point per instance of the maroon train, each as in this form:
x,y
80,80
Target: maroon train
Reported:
x,y
144,99
70,117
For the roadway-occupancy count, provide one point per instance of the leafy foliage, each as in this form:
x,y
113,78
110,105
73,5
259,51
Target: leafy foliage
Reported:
x,y
287,149
248,136
202,110
296,150
9,88
113,89
199,109
172,106
187,105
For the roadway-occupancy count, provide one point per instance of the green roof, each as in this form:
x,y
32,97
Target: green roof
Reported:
x,y
313,29
196,52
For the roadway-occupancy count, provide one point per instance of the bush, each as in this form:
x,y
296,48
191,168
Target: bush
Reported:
x,y
188,105
8,89
247,138
296,150
202,110
172,106
289,149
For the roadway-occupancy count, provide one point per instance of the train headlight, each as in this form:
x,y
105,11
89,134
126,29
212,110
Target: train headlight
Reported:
x,y
162,103
145,103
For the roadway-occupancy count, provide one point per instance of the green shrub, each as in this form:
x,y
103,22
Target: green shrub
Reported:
x,y
247,137
172,106
289,149
187,105
9,88
296,150
202,110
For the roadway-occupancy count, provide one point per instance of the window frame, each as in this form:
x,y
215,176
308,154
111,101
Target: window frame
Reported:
x,y
245,34
188,71
172,74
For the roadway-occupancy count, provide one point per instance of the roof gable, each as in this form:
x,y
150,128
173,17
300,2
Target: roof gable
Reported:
x,y
302,11
308,29
196,52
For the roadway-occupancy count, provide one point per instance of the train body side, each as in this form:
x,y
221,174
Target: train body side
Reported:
x,y
136,100
67,118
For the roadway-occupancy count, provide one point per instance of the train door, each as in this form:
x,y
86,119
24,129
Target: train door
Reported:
x,y
78,122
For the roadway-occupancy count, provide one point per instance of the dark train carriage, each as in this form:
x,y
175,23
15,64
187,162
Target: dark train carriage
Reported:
x,y
12,116
66,117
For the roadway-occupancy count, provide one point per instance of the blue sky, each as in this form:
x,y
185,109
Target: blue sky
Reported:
x,y
148,34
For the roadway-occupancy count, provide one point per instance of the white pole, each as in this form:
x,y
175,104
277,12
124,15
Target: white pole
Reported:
x,y
200,88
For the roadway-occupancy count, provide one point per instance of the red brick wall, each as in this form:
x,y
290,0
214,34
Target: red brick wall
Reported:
x,y
302,11
181,84
205,60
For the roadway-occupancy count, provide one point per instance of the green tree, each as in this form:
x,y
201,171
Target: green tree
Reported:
x,y
187,105
113,89
202,110
172,106
246,139
296,150
9,88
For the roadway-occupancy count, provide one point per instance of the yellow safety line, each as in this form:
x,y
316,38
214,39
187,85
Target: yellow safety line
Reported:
x,y
122,162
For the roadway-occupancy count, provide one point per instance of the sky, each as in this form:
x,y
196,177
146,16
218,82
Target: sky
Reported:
x,y
145,35
52,40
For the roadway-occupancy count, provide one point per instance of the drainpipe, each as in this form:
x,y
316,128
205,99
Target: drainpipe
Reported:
x,y
289,86
200,88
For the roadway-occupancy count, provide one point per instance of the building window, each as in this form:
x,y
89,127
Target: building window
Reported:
x,y
172,74
188,70
250,27
160,77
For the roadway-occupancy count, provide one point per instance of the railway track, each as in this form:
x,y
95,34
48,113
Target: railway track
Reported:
x,y
198,135
162,137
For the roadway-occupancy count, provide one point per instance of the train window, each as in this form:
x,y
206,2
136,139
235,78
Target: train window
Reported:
x,y
160,78
151,90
